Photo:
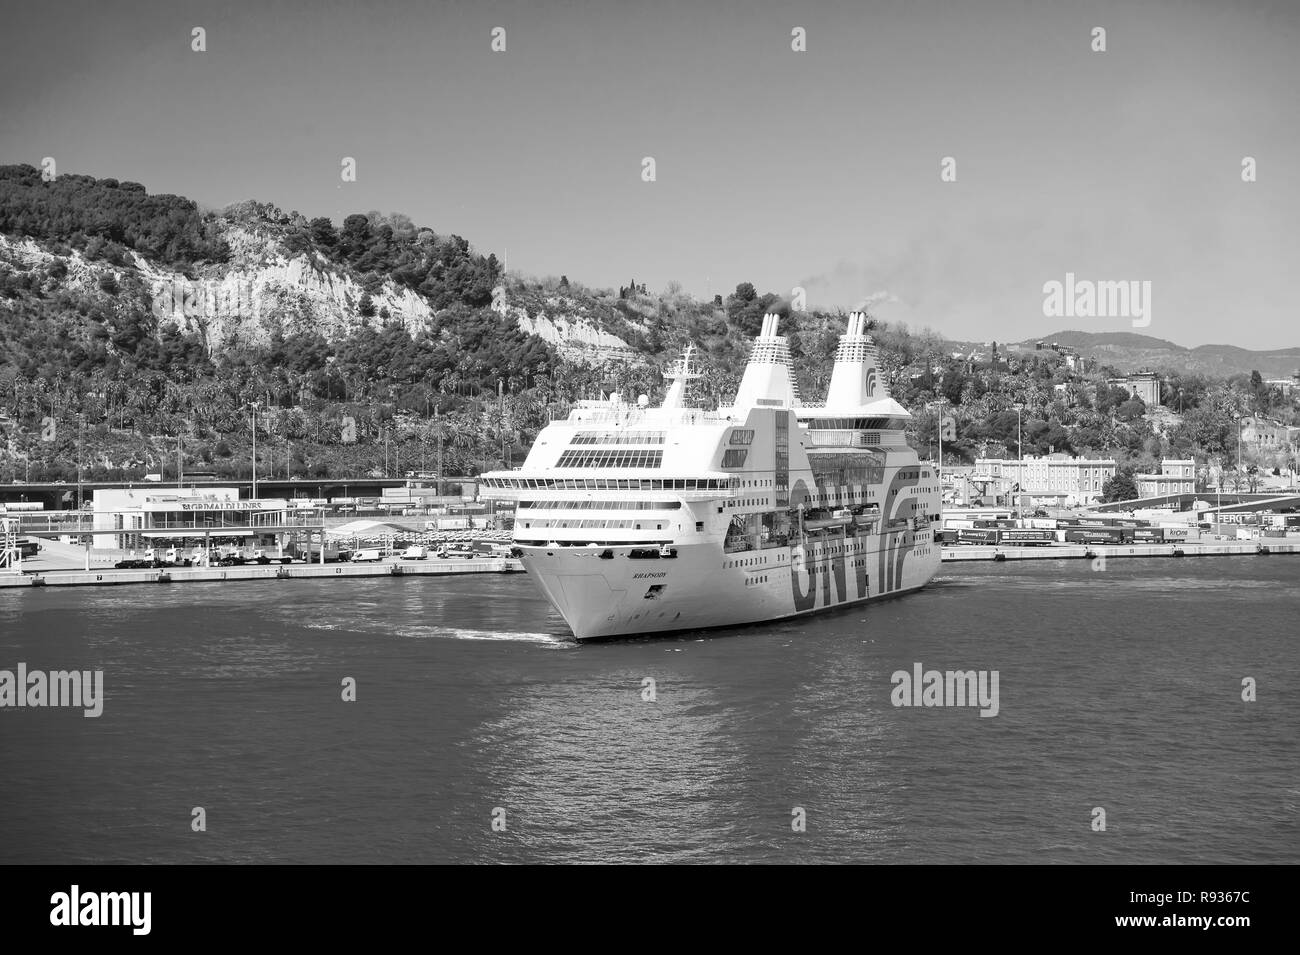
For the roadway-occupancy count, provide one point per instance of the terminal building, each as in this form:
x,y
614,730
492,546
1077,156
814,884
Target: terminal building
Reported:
x,y
135,518
1054,479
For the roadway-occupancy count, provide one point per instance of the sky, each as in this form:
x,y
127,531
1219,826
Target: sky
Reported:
x,y
818,169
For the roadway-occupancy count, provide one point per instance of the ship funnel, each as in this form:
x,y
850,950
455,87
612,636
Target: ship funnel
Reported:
x,y
855,380
769,376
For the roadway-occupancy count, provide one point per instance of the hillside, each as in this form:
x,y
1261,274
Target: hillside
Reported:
x,y
137,328
132,325
1129,351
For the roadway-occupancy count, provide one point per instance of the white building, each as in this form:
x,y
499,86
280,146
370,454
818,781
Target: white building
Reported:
x,y
1176,476
1054,476
133,518
1144,385
1262,434
1285,385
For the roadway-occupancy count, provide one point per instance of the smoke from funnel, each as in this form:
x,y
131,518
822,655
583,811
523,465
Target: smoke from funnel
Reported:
x,y
874,299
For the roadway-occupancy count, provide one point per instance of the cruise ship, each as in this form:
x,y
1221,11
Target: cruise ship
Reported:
x,y
641,520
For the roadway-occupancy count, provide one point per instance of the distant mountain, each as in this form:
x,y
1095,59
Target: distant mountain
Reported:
x,y
1129,351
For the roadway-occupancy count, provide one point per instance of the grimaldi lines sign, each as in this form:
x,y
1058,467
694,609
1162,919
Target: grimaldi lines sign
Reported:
x,y
171,507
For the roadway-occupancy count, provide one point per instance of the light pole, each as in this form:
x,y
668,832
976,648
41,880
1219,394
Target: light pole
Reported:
x,y
1239,420
939,469
254,406
1020,463
80,423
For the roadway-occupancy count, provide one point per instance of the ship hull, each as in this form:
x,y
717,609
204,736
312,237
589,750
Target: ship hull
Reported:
x,y
702,587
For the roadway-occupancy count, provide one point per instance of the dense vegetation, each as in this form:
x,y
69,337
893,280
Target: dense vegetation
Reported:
x,y
106,219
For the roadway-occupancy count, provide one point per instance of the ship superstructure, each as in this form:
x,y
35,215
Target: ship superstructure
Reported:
x,y
634,519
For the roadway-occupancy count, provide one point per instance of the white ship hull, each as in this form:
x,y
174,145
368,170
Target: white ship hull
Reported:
x,y
652,520
703,588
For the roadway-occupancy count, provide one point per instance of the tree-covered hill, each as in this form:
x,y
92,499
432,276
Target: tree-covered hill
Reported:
x,y
136,327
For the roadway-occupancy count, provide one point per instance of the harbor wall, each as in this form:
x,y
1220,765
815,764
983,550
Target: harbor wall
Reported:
x,y
1109,551
283,572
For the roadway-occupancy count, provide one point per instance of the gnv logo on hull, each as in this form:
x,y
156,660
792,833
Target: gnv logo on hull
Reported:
x,y
830,568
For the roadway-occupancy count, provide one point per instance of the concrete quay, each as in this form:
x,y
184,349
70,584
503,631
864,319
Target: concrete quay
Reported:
x,y
107,576
1116,551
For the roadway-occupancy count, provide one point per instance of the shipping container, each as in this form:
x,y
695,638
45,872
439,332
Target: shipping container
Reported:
x,y
1021,536
1094,535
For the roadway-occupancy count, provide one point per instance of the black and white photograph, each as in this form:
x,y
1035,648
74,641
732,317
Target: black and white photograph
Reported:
x,y
438,432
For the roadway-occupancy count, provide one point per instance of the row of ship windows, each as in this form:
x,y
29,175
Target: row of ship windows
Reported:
x,y
601,505
831,551
746,562
614,484
845,460
617,437
750,581
848,476
844,439
839,496
592,523
855,424
611,459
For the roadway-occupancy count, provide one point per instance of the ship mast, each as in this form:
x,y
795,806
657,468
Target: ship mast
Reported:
x,y
679,376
